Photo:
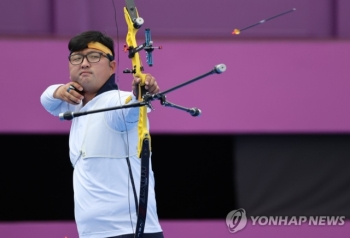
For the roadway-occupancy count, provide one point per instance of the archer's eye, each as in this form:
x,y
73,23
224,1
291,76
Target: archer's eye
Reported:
x,y
94,57
75,58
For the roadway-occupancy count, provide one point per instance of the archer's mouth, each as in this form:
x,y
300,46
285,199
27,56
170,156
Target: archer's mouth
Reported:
x,y
85,73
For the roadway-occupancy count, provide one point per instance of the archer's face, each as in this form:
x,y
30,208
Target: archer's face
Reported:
x,y
91,76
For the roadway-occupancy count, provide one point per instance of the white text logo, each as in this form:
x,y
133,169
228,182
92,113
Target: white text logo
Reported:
x,y
237,219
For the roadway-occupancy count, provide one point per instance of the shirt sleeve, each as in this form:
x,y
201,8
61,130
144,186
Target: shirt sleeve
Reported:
x,y
128,118
53,105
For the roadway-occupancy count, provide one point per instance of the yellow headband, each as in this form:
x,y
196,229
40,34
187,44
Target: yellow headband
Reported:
x,y
99,46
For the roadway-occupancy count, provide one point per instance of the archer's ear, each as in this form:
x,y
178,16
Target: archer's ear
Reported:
x,y
113,65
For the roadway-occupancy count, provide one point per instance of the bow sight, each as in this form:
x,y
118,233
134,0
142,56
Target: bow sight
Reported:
x,y
134,23
147,46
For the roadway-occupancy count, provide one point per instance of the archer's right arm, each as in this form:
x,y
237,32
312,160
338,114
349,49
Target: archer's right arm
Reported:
x,y
52,100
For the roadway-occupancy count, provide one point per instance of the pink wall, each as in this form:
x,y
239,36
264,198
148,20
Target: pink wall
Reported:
x,y
181,228
272,86
282,76
181,18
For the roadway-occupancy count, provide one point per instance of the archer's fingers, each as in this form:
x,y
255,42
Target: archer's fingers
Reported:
x,y
72,95
152,88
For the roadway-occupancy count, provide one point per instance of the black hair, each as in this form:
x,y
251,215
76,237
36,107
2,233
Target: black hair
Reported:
x,y
81,41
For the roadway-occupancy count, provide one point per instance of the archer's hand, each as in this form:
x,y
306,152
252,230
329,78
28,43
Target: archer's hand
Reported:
x,y
69,93
151,85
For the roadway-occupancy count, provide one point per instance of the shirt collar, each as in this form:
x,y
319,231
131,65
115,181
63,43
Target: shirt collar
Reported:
x,y
109,85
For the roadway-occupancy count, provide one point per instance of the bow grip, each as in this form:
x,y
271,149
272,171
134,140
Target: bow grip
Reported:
x,y
141,86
